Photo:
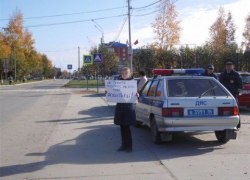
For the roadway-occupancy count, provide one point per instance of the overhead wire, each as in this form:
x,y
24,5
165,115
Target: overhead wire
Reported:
x,y
146,14
72,22
151,4
68,14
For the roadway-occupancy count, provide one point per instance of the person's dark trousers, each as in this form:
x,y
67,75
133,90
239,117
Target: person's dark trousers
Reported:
x,y
126,137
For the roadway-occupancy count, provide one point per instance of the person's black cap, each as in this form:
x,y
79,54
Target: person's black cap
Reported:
x,y
229,63
210,66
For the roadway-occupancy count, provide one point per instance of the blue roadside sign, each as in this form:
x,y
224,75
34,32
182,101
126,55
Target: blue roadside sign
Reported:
x,y
69,66
87,59
97,58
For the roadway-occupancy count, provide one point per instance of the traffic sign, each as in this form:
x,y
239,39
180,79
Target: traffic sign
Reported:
x,y
87,59
69,66
97,58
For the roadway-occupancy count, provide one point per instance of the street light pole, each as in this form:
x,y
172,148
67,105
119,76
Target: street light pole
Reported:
x,y
97,26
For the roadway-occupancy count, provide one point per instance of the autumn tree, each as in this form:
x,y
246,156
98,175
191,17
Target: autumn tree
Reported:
x,y
246,34
222,38
166,25
230,31
246,44
144,59
17,46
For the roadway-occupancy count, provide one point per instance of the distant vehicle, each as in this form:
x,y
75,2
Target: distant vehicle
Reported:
x,y
39,78
169,104
244,97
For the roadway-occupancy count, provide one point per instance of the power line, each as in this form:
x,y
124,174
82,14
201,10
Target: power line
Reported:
x,y
68,14
149,8
151,4
150,13
72,22
122,26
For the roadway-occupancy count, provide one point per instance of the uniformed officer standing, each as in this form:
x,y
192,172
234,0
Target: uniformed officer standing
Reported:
x,y
210,71
231,79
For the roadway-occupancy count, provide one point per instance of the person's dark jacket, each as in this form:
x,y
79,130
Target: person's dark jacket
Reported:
x,y
210,75
125,112
232,81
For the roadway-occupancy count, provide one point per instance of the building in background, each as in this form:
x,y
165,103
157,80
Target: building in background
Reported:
x,y
121,50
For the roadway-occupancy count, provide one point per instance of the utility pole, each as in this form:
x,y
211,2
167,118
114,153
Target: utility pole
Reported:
x,y
15,62
79,59
130,51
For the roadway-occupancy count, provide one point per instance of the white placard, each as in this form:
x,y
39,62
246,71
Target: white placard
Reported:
x,y
121,91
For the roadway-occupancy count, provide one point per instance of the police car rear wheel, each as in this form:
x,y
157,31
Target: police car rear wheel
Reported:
x,y
221,136
156,135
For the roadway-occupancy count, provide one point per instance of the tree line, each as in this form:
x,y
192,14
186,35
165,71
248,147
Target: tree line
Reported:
x,y
18,53
220,46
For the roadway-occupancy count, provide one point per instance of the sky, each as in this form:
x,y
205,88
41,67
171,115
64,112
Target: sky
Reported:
x,y
59,27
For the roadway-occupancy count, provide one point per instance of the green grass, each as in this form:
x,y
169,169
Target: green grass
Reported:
x,y
83,83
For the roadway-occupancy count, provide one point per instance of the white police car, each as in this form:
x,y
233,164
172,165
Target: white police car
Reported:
x,y
173,103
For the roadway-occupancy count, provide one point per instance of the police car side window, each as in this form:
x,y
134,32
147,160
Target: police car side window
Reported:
x,y
153,87
159,89
145,89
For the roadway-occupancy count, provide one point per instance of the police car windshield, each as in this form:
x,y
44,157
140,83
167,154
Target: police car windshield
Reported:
x,y
194,88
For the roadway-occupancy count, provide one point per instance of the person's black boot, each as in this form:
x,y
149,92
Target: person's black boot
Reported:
x,y
122,148
129,149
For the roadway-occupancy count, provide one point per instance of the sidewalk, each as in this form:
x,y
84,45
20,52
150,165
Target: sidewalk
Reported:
x,y
83,146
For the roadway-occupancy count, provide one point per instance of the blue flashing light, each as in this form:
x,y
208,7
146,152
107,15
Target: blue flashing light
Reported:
x,y
197,71
167,72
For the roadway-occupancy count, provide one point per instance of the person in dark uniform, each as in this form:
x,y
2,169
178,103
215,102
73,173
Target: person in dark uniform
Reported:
x,y
231,79
125,116
210,71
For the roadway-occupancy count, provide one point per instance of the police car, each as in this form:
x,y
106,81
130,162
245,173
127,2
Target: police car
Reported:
x,y
172,103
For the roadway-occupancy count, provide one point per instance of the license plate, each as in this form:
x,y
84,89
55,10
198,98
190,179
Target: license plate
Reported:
x,y
200,112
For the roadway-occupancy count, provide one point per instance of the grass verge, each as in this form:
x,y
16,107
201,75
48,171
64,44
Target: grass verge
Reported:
x,y
83,83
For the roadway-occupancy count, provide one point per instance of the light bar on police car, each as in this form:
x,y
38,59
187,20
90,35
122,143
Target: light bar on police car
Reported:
x,y
167,72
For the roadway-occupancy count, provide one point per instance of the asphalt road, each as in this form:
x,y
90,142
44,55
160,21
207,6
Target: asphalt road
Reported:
x,y
49,132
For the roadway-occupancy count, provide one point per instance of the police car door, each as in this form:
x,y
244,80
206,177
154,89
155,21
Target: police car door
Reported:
x,y
150,101
157,101
142,102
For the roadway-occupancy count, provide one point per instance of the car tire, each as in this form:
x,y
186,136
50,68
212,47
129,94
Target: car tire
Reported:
x,y
221,136
156,135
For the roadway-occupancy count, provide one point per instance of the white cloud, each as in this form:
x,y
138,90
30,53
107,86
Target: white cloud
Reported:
x,y
195,26
195,23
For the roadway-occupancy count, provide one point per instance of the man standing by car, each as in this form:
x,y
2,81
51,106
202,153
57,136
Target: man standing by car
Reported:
x,y
231,79
210,71
142,81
